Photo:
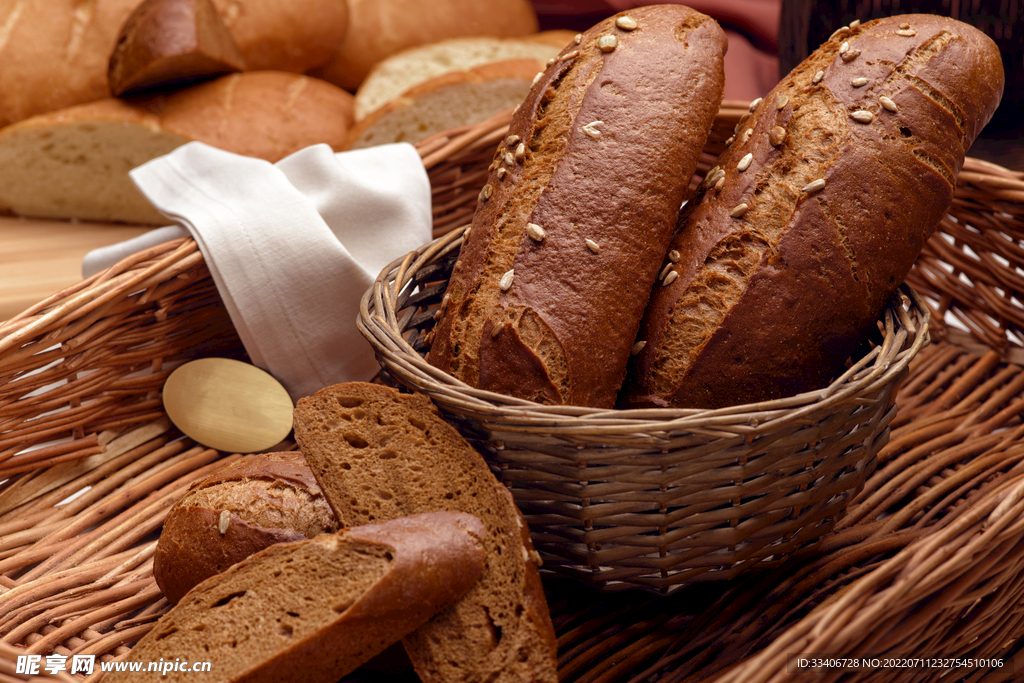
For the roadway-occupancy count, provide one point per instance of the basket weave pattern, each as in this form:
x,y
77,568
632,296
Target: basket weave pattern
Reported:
x,y
929,558
657,498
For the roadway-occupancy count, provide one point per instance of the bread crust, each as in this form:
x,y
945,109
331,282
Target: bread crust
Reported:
x,y
784,270
199,541
599,156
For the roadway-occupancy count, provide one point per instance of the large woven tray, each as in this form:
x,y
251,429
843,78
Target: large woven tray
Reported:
x,y
929,559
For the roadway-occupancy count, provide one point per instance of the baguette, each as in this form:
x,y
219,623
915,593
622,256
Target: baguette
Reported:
x,y
380,455
249,505
315,610
578,210
814,215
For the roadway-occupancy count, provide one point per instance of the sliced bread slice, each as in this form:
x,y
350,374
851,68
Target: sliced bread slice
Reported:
x,y
457,98
74,163
401,72
315,610
380,455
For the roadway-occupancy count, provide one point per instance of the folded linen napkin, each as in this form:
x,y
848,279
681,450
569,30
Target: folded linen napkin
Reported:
x,y
291,246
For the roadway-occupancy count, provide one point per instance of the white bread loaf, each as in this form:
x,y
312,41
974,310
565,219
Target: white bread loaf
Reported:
x,y
408,68
378,29
54,54
74,163
450,100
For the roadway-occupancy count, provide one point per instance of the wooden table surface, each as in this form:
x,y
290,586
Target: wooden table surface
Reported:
x,y
39,258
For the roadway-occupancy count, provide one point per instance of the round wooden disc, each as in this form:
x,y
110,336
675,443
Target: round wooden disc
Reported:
x,y
228,405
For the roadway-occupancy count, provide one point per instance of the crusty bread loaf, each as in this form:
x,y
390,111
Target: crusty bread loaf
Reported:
x,y
378,455
249,505
378,29
74,163
55,54
815,214
170,42
456,98
408,68
578,210
314,610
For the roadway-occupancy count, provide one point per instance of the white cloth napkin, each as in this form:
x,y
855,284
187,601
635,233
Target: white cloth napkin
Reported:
x,y
291,246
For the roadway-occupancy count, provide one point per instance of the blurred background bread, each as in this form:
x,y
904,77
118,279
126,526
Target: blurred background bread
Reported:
x,y
171,41
74,163
378,29
55,54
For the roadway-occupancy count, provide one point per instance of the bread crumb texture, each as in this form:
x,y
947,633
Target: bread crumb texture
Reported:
x,y
379,455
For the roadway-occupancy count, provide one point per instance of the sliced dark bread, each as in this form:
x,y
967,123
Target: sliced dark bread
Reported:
x,y
378,455
316,609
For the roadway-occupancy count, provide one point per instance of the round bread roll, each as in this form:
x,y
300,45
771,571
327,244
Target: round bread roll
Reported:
x,y
249,505
379,28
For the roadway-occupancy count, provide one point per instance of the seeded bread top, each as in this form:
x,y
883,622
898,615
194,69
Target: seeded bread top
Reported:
x,y
815,213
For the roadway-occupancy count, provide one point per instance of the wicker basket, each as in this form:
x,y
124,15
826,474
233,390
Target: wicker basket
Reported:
x,y
657,498
929,558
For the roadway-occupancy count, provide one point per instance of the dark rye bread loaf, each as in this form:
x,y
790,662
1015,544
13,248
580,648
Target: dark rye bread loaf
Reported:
x,y
578,209
315,610
378,455
814,214
253,503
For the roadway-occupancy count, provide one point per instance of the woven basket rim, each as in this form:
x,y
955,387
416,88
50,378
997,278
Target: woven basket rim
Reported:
x,y
881,365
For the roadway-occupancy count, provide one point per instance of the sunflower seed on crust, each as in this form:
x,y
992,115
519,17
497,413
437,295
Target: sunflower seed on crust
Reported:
x,y
745,162
590,130
665,270
535,232
607,43
570,55
720,184
814,185
674,256
486,192
505,283
502,173
858,82
626,22
592,245
509,159
844,47
850,55
908,32
670,278
537,78
776,135
738,211
730,139
577,38
855,23
511,140
637,348
746,135
782,102
520,151
224,522
754,104
496,330
817,77
862,116
887,103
